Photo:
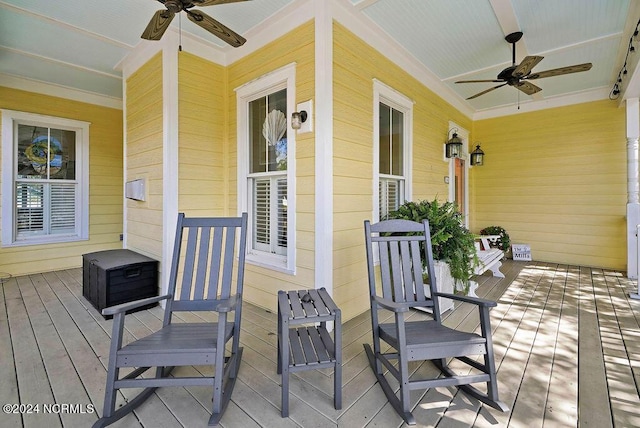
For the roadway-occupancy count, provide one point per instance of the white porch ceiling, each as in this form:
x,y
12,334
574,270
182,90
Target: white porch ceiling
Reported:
x,y
79,44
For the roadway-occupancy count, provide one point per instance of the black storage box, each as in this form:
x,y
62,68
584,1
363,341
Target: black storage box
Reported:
x,y
118,276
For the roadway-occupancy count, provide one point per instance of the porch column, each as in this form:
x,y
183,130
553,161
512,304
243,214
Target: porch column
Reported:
x,y
324,148
633,185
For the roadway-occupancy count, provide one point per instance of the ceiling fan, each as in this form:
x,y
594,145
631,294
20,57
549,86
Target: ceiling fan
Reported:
x,y
519,75
162,18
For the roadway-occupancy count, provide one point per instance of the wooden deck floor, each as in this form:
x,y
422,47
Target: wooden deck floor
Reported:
x,y
567,342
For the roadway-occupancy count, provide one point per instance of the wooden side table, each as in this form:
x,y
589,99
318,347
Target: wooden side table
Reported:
x,y
304,343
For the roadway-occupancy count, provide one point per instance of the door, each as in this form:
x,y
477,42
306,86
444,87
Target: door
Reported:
x,y
459,182
458,175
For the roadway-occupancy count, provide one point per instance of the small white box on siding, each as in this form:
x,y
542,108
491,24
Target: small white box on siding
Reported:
x,y
135,189
521,252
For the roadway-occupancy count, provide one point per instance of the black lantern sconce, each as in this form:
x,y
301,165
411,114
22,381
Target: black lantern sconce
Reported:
x,y
477,156
453,145
298,118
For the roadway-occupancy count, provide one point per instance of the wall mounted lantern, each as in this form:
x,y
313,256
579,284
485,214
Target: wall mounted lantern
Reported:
x,y
298,118
453,145
477,156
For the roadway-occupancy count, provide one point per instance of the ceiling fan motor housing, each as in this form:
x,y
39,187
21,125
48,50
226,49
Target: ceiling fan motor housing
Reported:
x,y
507,75
174,6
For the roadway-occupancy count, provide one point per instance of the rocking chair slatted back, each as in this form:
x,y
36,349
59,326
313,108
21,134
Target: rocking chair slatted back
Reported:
x,y
205,274
401,261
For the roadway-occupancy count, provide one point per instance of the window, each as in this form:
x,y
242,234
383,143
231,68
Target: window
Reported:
x,y
265,146
392,121
268,171
390,163
44,179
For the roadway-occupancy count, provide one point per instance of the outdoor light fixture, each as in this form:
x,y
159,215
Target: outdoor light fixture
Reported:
x,y
298,118
454,145
477,156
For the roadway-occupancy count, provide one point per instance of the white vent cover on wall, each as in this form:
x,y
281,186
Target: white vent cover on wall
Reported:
x,y
135,190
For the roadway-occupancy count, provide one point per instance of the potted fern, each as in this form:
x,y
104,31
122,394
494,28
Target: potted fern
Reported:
x,y
452,243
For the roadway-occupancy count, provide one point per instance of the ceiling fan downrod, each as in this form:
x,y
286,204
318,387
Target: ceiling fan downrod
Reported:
x,y
513,38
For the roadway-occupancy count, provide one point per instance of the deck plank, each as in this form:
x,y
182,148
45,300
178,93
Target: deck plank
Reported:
x,y
66,289
594,405
80,352
8,379
66,385
561,401
614,315
512,341
542,325
33,382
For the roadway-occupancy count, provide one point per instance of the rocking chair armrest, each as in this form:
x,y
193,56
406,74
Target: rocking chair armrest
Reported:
x,y
391,305
123,307
474,300
227,305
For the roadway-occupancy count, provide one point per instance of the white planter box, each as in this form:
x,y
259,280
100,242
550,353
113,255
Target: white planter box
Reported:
x,y
445,284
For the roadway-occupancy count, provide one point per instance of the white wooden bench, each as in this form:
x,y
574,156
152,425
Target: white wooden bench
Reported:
x,y
489,257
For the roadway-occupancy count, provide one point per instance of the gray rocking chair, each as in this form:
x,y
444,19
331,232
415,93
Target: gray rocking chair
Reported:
x,y
201,279
402,245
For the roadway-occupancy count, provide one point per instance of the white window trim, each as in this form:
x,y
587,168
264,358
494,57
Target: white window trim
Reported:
x,y
392,98
9,119
284,77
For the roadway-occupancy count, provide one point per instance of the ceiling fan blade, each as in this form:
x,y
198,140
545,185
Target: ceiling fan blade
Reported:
x,y
479,81
559,71
158,25
216,28
527,88
213,2
485,91
526,65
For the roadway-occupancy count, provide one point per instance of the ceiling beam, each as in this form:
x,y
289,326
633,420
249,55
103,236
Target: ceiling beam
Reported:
x,y
503,9
506,16
582,43
363,4
630,86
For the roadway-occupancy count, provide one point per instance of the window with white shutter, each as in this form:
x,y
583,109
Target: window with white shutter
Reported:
x,y
265,146
282,204
389,195
262,214
392,154
45,170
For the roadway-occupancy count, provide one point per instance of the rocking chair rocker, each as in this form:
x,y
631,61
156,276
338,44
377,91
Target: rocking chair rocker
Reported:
x,y
402,247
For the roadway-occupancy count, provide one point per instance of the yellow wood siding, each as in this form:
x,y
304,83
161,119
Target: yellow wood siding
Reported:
x,y
202,189
355,65
144,124
556,179
105,184
261,285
